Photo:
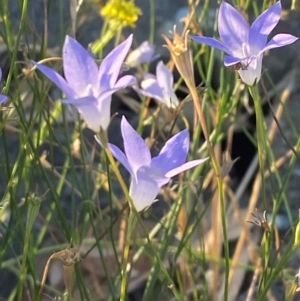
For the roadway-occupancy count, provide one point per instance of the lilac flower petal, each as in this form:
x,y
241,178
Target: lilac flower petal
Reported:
x,y
87,107
80,68
143,54
149,75
233,28
280,40
106,94
96,114
172,100
184,167
2,98
165,80
256,43
79,102
251,75
152,89
164,77
160,87
120,85
263,25
117,153
111,65
211,42
136,150
104,108
120,156
231,60
143,191
147,51
173,154
125,81
266,22
155,174
57,79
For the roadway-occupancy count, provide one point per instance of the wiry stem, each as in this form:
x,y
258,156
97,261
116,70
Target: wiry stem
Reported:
x,y
182,58
133,218
262,150
103,139
217,170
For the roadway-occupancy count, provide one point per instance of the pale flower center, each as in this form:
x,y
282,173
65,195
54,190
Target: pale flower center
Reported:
x,y
249,56
88,91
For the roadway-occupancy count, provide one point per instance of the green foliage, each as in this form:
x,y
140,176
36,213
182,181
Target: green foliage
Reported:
x,y
63,199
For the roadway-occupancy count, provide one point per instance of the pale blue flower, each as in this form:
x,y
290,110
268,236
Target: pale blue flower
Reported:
x,y
145,53
148,174
160,87
245,45
88,87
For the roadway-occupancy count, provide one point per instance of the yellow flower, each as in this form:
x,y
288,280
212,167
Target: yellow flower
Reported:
x,y
122,12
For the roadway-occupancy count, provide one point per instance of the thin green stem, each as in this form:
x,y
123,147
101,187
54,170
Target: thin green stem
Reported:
x,y
108,35
152,21
33,209
16,46
261,136
103,139
217,170
131,223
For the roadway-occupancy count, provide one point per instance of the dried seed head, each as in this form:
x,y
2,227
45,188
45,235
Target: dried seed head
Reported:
x,y
68,275
261,221
182,56
69,257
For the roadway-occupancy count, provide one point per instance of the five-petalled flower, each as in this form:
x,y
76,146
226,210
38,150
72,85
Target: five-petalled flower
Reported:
x,y
88,87
145,53
244,44
160,87
148,174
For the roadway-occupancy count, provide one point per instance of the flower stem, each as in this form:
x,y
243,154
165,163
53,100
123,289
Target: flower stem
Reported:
x,y
131,224
261,137
217,170
99,44
262,150
132,220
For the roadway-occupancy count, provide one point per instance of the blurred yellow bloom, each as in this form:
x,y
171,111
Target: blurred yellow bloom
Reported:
x,y
121,11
